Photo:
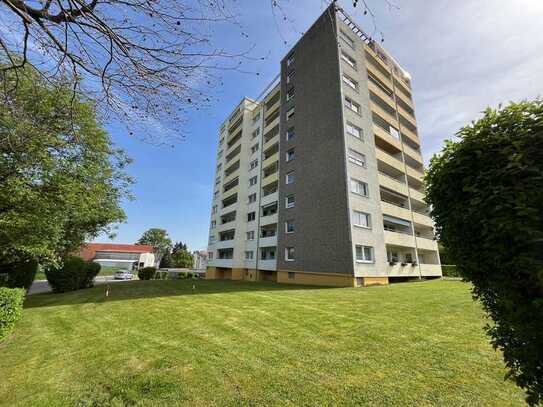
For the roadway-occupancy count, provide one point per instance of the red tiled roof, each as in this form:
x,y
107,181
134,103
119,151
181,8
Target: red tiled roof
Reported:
x,y
88,250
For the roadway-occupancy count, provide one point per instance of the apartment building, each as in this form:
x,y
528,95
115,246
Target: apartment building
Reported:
x,y
319,181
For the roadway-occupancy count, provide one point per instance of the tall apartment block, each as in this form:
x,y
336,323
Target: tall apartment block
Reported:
x,y
320,180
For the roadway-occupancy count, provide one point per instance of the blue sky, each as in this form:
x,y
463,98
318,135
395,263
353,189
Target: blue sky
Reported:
x,y
463,56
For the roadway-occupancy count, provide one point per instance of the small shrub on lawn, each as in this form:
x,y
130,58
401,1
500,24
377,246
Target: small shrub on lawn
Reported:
x,y
146,273
75,273
20,274
11,309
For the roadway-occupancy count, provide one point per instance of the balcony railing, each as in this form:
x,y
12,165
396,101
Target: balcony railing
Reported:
x,y
403,232
398,204
392,178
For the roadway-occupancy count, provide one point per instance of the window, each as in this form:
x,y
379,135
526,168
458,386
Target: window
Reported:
x,y
289,226
253,180
253,164
356,158
408,257
364,254
252,198
214,210
392,257
218,180
254,148
289,178
359,187
290,60
291,275
250,235
350,82
290,94
290,114
290,134
256,118
249,255
289,253
219,167
354,131
213,224
256,133
350,61
210,255
216,194
361,219
212,239
352,105
346,39
219,154
290,155
290,77
290,201
221,141
251,216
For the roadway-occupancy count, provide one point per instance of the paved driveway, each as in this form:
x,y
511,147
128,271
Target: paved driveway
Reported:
x,y
42,286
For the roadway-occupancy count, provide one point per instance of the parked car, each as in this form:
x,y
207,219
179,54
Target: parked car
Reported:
x,y
123,275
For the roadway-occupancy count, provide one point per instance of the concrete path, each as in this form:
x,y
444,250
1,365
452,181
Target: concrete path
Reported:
x,y
42,286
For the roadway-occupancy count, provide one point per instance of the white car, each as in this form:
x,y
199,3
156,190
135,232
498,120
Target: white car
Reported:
x,y
123,275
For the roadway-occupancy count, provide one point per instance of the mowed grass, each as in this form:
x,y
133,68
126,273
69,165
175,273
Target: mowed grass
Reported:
x,y
104,271
236,343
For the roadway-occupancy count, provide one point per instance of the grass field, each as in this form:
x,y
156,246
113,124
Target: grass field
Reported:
x,y
235,343
104,271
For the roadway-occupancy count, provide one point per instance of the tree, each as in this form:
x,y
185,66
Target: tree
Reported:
x,y
159,239
486,191
61,180
181,256
141,59
166,261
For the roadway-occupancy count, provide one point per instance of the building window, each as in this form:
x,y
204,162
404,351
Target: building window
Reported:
x,y
256,133
289,226
252,198
254,148
393,257
210,255
346,39
219,167
214,210
290,201
359,187
290,113
256,118
253,180
249,255
212,239
364,254
356,158
251,216
290,134
289,178
290,94
290,77
253,164
289,253
290,60
250,235
361,219
219,154
350,61
350,82
408,257
352,105
221,141
213,224
354,131
291,275
290,155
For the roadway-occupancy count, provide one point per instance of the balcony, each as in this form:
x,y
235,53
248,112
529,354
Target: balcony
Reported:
x,y
392,183
267,265
384,114
268,220
422,219
389,160
417,175
414,154
395,210
386,137
268,241
274,177
224,244
399,239
430,270
416,195
397,270
269,198
426,244
271,159
228,263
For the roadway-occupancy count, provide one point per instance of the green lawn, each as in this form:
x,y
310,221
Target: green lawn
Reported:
x,y
104,271
235,343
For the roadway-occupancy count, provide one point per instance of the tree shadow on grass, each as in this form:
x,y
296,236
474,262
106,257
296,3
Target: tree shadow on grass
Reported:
x,y
129,290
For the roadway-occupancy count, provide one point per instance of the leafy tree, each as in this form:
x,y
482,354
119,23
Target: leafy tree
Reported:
x,y
486,191
166,261
61,180
181,256
159,239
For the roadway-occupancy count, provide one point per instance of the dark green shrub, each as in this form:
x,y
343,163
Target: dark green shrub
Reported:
x,y
11,309
486,193
75,273
450,270
20,274
146,273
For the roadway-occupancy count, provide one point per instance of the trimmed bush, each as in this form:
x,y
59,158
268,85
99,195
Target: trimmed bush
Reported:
x,y
75,273
486,194
146,273
11,309
20,274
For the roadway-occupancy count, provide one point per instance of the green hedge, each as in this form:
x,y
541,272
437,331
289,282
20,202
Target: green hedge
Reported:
x,y
450,270
146,273
18,275
11,309
75,273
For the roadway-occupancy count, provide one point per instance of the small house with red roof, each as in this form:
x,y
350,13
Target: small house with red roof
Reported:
x,y
124,256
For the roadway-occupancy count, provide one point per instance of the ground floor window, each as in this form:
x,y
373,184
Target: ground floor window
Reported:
x,y
364,254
